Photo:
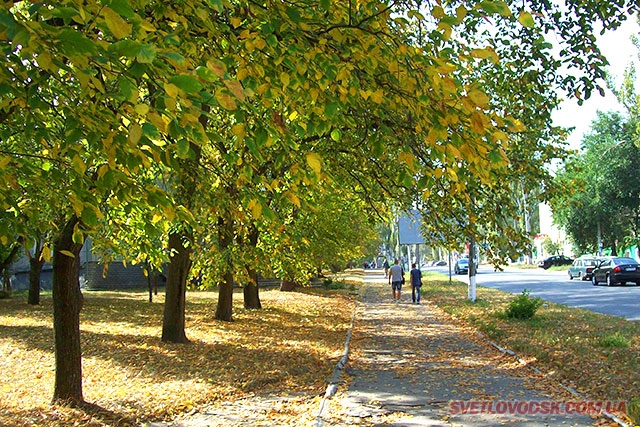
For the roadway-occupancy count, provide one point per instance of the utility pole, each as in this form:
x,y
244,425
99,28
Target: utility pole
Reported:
x,y
472,270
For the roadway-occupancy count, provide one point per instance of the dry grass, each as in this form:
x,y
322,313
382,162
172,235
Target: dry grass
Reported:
x,y
291,346
595,354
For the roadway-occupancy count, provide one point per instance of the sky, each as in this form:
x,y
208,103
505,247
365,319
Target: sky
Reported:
x,y
620,52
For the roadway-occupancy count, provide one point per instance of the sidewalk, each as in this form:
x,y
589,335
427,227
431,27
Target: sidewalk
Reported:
x,y
411,365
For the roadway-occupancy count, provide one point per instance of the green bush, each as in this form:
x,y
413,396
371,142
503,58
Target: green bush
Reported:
x,y
523,306
4,294
616,340
633,410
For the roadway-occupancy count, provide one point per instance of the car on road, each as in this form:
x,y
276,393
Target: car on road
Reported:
x,y
462,266
555,260
616,270
582,268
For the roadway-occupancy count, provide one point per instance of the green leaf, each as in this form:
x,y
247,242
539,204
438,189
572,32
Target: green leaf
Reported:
x,y
293,14
336,135
187,83
325,4
261,136
206,74
89,216
128,48
183,148
330,110
122,7
492,7
146,54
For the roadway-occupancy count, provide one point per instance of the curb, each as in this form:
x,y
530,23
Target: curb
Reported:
x,y
335,380
612,417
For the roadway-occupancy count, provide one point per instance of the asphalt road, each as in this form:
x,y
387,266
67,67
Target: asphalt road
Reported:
x,y
555,286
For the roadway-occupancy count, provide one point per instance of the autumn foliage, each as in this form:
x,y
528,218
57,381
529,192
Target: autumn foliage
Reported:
x,y
290,347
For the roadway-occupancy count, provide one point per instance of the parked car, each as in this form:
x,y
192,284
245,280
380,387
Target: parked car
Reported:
x,y
582,268
616,270
462,266
555,260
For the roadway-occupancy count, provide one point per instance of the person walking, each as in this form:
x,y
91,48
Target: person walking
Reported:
x,y
416,282
386,268
396,279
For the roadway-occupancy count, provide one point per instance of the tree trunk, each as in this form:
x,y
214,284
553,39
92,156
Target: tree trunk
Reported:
x,y
252,289
67,303
35,268
287,285
224,310
176,290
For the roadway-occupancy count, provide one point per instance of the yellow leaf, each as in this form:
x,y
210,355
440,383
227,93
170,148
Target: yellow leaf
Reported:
x,y
157,120
477,122
116,24
218,67
479,98
46,253
156,218
78,164
314,161
377,96
67,253
236,88
135,133
171,89
226,101
4,161
292,198
407,158
239,131
437,12
256,208
142,109
284,78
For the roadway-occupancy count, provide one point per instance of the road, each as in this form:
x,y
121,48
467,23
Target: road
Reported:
x,y
555,286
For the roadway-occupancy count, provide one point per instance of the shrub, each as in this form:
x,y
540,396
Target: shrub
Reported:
x,y
616,340
523,306
4,294
633,410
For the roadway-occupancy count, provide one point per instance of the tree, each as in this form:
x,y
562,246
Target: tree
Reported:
x,y
599,203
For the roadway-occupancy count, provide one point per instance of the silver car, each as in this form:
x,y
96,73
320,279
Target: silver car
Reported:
x,y
582,268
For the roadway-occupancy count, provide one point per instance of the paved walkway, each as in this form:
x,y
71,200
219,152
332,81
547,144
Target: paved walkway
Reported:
x,y
411,365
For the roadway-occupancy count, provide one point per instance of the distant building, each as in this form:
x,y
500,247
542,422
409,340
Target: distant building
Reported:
x,y
91,273
550,230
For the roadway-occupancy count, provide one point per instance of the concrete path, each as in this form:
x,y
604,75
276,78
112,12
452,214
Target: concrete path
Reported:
x,y
411,365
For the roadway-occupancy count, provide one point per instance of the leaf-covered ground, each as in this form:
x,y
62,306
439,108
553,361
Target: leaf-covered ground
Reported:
x,y
596,355
291,346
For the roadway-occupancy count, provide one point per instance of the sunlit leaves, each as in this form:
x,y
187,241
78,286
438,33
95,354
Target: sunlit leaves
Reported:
x,y
117,25
526,19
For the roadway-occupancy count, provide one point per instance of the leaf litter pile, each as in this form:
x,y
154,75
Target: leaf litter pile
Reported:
x,y
288,349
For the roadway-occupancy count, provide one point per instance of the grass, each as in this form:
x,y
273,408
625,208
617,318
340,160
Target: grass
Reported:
x,y
595,354
291,345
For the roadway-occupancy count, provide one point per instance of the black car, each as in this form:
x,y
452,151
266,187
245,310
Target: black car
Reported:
x,y
616,270
555,260
462,266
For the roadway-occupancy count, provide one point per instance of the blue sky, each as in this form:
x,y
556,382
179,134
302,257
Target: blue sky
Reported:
x,y
619,50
